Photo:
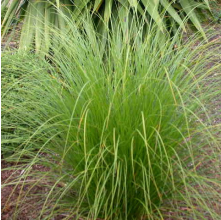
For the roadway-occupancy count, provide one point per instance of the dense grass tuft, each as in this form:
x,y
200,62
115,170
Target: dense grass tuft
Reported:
x,y
126,127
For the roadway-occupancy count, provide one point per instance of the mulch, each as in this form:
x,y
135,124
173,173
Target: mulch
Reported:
x,y
14,204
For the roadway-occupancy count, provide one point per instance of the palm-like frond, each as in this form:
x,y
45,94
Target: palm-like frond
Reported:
x,y
168,14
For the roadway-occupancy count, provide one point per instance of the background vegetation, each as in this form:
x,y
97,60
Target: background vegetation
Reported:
x,y
37,15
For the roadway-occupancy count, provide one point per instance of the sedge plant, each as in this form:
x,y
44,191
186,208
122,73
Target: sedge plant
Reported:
x,y
125,128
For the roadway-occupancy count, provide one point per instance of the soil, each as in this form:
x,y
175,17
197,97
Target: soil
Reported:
x,y
12,195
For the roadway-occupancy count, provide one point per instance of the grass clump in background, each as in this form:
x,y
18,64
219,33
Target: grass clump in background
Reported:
x,y
14,74
126,129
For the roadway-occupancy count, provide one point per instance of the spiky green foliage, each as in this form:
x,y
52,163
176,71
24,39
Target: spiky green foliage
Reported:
x,y
167,14
126,131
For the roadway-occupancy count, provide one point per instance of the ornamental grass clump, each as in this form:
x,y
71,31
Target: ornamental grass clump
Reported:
x,y
125,128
